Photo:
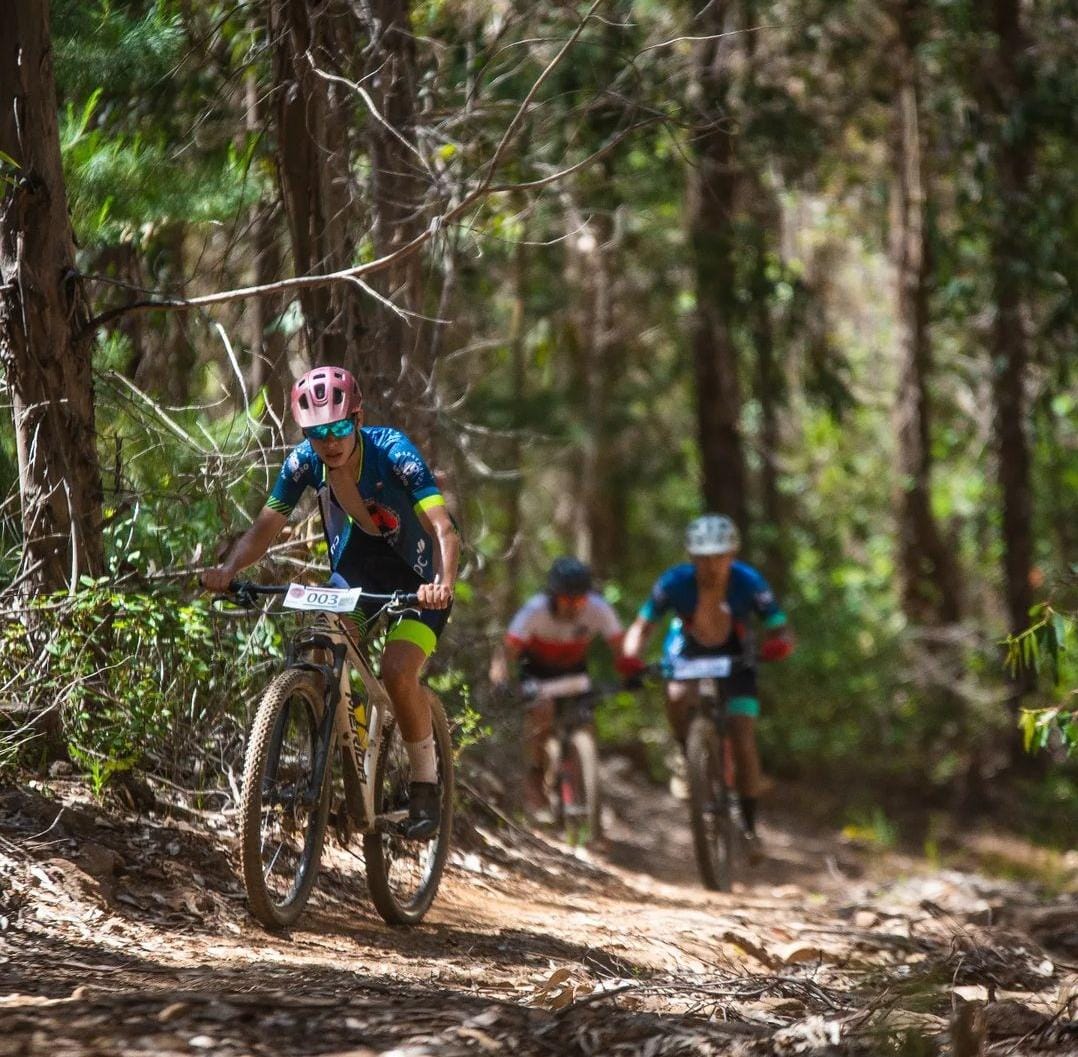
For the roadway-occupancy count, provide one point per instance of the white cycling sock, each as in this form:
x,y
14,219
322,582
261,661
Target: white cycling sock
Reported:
x,y
422,762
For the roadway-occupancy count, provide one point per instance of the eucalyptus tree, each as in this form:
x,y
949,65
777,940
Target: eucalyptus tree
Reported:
x,y
45,340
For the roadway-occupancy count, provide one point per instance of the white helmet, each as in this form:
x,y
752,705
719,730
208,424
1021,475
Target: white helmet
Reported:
x,y
712,534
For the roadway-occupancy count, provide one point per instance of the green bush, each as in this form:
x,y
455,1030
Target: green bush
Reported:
x,y
138,678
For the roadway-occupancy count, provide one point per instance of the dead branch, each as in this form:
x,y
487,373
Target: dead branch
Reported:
x,y
389,260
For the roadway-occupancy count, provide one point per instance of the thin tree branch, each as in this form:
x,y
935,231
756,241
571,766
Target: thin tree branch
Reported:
x,y
380,264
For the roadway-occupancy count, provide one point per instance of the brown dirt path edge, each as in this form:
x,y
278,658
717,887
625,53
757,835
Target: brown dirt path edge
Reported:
x,y
129,935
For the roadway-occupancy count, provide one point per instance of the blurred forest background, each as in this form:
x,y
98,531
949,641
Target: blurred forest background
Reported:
x,y
810,263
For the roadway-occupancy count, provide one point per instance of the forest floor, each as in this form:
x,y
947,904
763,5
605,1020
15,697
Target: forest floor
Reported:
x,y
127,934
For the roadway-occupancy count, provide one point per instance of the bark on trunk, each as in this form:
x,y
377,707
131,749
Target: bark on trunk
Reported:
x,y
929,580
313,117
771,396
514,559
396,346
1010,342
43,348
712,198
267,364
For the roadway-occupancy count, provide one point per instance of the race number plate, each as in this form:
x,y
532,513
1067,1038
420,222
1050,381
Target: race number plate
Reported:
x,y
322,599
563,686
701,668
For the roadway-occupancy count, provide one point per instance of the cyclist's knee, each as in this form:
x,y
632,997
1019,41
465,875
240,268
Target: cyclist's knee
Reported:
x,y
401,664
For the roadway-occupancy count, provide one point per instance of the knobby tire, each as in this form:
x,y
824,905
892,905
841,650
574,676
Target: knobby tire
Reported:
x,y
709,805
383,851
581,765
263,753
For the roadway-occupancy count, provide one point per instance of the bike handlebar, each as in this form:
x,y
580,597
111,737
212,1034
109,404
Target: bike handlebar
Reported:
x,y
244,592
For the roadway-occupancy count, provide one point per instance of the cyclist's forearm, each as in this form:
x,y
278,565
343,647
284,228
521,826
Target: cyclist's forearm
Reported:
x,y
636,638
256,540
447,550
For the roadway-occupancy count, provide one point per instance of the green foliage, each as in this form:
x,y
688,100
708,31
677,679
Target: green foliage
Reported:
x,y
138,678
452,687
872,827
1050,645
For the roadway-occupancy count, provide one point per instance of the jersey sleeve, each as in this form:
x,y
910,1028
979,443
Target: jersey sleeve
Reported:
x,y
296,474
520,627
606,620
414,474
765,603
658,602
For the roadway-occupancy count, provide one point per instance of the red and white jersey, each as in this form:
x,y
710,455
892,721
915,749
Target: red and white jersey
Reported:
x,y
562,642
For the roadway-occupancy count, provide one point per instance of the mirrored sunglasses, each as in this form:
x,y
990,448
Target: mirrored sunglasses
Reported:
x,y
343,427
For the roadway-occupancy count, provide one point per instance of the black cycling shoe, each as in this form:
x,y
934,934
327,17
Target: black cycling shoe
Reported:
x,y
424,810
753,848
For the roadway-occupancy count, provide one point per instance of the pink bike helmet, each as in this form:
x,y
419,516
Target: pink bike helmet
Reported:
x,y
325,395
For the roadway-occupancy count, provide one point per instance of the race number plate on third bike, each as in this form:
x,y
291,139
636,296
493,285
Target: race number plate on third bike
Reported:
x,y
701,668
322,599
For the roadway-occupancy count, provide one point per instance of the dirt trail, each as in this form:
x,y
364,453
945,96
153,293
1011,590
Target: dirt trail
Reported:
x,y
123,935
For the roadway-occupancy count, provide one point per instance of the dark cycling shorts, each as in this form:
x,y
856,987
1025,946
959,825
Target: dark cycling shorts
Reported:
x,y
384,576
742,696
530,668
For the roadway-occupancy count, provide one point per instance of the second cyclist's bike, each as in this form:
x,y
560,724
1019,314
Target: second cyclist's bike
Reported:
x,y
327,712
714,809
571,769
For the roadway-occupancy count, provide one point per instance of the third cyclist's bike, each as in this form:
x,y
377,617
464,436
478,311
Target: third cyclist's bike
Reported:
x,y
714,809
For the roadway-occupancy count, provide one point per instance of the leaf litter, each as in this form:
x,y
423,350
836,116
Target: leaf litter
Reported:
x,y
130,936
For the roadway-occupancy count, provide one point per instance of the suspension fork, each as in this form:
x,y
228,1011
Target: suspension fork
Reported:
x,y
331,696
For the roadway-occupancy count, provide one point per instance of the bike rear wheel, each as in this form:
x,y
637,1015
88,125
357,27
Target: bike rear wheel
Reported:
x,y
578,788
282,815
403,875
709,805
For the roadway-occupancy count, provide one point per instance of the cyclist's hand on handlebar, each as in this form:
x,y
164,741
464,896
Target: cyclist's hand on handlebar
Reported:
x,y
631,670
777,647
218,578
435,596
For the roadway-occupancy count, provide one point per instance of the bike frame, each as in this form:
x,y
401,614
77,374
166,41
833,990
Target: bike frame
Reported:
x,y
712,696
332,635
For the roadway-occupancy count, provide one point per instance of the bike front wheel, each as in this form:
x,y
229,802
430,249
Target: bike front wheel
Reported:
x,y
709,805
578,788
403,875
283,809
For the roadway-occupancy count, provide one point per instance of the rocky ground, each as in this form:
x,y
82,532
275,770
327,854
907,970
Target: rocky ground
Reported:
x,y
126,933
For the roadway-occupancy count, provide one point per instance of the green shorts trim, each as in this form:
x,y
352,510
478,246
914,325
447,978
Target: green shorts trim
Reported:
x,y
743,706
414,631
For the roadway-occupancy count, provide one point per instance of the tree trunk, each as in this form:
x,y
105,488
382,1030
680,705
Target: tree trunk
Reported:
x,y
396,193
929,580
771,396
267,364
518,374
1010,342
313,116
712,197
43,312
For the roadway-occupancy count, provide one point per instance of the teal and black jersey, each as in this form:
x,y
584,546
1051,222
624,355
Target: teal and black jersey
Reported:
x,y
676,591
396,485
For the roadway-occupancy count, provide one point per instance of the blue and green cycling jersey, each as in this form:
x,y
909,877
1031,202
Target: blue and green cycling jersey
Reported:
x,y
676,591
395,483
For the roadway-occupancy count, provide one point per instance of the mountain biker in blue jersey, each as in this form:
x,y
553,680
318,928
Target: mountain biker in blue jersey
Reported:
x,y
387,529
712,598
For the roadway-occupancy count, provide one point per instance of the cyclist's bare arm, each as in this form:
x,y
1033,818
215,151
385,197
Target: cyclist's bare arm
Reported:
x,y
246,550
636,638
440,525
504,660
